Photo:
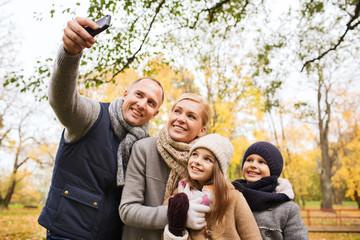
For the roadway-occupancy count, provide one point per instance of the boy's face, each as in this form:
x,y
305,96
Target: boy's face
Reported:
x,y
201,164
255,168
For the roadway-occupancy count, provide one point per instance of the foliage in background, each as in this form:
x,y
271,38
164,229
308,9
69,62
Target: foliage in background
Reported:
x,y
247,58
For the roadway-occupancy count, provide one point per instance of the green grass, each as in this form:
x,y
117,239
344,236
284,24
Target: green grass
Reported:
x,y
316,205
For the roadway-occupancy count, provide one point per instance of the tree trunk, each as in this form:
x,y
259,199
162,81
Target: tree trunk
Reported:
x,y
302,201
326,189
10,190
338,196
324,124
357,198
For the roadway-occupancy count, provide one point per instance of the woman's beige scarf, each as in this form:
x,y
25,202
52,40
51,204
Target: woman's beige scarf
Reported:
x,y
175,154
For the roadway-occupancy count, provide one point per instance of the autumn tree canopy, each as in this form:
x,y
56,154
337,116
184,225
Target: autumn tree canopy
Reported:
x,y
268,68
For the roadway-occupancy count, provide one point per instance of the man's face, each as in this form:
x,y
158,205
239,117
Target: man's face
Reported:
x,y
141,102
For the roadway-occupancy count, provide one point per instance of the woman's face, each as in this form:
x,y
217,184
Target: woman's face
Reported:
x,y
185,123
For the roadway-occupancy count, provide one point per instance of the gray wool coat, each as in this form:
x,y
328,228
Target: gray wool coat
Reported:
x,y
282,221
141,207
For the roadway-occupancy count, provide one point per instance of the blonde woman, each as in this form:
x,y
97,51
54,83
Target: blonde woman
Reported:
x,y
156,166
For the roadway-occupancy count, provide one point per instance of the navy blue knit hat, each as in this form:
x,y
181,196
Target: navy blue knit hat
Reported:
x,y
268,152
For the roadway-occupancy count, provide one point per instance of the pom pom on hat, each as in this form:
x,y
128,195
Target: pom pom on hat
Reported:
x,y
269,153
220,146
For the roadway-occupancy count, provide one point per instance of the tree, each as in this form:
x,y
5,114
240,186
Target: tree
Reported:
x,y
328,61
350,11
23,142
330,85
212,47
324,113
348,142
178,29
26,192
347,177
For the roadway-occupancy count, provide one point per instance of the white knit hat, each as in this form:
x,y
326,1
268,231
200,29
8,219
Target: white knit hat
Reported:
x,y
220,146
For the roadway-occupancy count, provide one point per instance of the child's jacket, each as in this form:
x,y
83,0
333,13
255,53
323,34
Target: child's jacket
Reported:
x,y
239,222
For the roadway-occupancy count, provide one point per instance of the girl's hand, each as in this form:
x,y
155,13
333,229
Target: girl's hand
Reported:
x,y
177,213
196,214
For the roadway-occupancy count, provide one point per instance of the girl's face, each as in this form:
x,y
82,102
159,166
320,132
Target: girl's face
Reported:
x,y
255,168
201,165
185,123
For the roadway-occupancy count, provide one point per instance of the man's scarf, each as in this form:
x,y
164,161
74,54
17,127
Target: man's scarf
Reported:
x,y
127,136
260,195
175,154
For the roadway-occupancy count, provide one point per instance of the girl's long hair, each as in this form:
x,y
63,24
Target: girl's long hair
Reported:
x,y
221,198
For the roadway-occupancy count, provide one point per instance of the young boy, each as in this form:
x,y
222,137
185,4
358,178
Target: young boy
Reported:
x,y
276,215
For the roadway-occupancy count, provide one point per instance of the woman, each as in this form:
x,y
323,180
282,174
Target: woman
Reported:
x,y
156,166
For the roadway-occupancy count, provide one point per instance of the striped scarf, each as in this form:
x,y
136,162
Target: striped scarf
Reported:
x,y
175,154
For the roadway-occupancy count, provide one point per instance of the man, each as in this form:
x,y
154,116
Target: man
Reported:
x,y
95,145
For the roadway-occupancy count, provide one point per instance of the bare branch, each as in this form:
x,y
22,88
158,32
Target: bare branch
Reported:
x,y
22,162
3,136
212,10
349,27
132,58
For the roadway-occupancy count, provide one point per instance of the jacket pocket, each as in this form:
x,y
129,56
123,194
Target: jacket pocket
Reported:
x,y
78,210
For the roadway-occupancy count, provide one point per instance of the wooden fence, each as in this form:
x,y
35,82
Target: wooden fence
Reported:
x,y
331,220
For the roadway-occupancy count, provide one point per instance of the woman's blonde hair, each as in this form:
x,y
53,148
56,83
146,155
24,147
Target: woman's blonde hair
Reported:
x,y
198,99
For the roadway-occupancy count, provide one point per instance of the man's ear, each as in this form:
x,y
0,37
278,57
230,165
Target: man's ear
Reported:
x,y
156,113
125,94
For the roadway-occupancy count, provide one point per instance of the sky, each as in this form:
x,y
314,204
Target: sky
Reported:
x,y
38,39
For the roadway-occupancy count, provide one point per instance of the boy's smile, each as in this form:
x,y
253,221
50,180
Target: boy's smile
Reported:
x,y
255,168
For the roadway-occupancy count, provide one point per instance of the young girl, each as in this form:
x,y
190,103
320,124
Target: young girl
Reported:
x,y
276,215
230,216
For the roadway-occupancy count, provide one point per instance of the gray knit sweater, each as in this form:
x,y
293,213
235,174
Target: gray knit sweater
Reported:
x,y
77,113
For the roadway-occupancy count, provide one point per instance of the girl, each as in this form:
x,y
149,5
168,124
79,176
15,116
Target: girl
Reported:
x,y
276,215
230,216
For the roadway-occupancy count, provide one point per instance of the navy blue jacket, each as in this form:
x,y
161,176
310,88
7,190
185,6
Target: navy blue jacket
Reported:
x,y
83,199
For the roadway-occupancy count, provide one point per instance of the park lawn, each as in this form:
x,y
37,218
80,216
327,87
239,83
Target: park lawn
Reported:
x,y
344,205
334,236
21,223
